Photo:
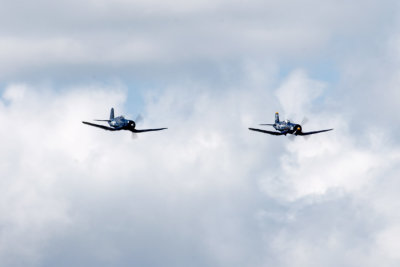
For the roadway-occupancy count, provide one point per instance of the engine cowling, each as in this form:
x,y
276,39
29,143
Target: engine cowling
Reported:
x,y
297,129
132,125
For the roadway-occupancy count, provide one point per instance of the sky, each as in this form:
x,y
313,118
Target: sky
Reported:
x,y
207,191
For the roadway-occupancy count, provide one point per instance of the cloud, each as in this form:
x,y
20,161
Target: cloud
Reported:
x,y
205,192
150,37
297,93
40,146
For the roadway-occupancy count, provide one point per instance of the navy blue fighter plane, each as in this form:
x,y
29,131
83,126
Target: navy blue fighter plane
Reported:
x,y
286,127
120,123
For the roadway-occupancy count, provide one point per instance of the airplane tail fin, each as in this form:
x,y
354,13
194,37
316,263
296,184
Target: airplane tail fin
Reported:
x,y
112,114
276,117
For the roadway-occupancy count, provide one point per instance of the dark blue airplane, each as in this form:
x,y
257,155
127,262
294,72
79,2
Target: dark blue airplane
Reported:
x,y
120,123
286,127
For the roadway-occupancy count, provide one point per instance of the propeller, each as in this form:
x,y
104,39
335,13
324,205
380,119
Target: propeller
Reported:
x,y
137,120
304,121
299,128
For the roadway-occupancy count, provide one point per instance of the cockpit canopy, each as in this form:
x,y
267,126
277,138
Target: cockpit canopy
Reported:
x,y
287,121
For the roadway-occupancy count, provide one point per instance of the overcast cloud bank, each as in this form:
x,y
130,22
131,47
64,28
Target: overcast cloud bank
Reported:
x,y
206,192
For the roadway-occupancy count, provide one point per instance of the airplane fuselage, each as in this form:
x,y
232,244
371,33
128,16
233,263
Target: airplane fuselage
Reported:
x,y
118,122
287,127
121,123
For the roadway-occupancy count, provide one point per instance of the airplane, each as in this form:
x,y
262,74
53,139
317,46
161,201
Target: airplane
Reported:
x,y
287,127
120,123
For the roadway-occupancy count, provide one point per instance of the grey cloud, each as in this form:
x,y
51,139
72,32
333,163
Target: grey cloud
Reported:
x,y
139,35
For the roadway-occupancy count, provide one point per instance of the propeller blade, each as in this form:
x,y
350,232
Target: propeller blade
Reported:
x,y
139,118
304,121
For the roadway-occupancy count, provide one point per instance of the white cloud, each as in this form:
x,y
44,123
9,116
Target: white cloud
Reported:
x,y
82,196
297,93
205,192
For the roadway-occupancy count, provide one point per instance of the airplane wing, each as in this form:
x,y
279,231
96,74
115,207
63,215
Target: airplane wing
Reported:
x,y
100,126
267,132
267,124
314,132
147,130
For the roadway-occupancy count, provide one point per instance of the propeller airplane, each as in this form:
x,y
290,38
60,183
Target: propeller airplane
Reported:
x,y
286,127
120,123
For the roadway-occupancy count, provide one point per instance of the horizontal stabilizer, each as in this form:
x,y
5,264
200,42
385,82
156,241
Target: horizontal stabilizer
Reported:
x,y
100,126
